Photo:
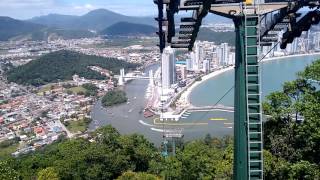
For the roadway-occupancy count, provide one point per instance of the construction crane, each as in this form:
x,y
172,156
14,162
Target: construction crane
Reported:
x,y
257,23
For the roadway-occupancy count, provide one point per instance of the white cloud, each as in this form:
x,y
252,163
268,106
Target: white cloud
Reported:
x,y
84,7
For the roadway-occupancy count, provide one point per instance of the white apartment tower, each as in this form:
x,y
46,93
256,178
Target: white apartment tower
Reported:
x,y
206,66
168,68
223,54
198,56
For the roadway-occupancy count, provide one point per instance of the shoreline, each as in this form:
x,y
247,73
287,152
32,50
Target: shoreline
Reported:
x,y
185,97
289,56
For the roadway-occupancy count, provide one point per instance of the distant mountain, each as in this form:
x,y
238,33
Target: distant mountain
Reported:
x,y
95,20
128,29
12,29
213,19
62,65
53,20
206,34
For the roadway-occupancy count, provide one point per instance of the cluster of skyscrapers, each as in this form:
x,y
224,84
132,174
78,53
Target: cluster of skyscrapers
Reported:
x,y
205,57
308,42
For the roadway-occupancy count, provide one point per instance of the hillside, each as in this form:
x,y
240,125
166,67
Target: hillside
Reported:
x,y
95,20
16,29
53,20
10,28
127,29
62,65
205,34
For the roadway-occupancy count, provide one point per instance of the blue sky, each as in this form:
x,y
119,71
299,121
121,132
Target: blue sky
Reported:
x,y
25,9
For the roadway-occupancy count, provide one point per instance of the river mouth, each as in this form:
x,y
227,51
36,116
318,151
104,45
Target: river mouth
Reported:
x,y
128,118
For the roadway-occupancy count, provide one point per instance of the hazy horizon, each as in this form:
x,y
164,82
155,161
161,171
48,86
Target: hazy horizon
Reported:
x,y
27,9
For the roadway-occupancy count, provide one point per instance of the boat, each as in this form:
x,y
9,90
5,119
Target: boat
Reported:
x,y
147,113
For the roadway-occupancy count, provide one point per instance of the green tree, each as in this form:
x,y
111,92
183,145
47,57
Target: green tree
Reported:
x,y
312,72
137,176
62,65
6,172
48,174
291,131
304,170
225,165
91,89
114,98
108,136
139,150
275,168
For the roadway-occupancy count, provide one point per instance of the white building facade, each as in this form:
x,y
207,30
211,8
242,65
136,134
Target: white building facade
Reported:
x,y
168,68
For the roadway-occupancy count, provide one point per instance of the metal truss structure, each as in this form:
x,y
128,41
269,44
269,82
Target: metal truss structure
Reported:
x,y
257,24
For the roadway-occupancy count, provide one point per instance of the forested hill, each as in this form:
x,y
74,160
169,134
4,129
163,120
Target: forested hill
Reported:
x,y
12,29
62,65
97,20
127,29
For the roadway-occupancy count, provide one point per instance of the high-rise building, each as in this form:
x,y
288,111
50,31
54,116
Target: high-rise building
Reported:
x,y
222,54
189,64
316,40
232,58
183,72
308,41
168,67
277,48
294,46
198,56
206,66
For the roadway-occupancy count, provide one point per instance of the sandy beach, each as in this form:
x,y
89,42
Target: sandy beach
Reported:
x,y
285,57
185,97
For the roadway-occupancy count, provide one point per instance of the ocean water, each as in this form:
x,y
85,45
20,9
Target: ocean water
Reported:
x,y
127,118
274,74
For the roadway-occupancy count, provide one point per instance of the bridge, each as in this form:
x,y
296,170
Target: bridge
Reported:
x,y
123,78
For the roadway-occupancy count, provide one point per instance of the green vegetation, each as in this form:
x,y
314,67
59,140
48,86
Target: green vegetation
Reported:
x,y
76,90
62,65
291,148
91,90
86,89
48,173
114,98
292,132
54,33
45,88
6,172
112,156
8,147
15,29
7,151
128,29
78,126
137,176
10,28
97,20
